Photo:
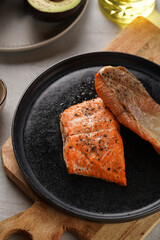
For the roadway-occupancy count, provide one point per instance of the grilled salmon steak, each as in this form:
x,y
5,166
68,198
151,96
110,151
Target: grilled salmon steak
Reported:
x,y
92,145
129,101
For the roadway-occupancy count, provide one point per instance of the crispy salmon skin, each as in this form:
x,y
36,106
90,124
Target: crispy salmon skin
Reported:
x,y
92,145
129,101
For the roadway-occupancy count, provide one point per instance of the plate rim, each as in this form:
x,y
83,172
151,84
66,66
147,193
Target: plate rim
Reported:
x,y
116,217
49,40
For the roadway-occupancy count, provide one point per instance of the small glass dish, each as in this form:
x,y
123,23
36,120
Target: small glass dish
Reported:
x,y
3,94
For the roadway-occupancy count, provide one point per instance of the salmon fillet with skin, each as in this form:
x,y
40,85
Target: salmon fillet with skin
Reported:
x,y
92,145
129,101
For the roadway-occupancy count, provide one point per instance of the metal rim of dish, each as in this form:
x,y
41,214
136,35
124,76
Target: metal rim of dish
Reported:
x,y
5,92
50,40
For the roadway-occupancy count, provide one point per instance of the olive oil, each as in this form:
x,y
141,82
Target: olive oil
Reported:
x,y
124,11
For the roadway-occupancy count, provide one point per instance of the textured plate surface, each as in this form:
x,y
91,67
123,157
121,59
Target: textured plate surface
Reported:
x,y
20,31
38,145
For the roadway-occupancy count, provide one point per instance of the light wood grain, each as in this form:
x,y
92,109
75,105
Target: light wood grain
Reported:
x,y
151,49
42,221
134,230
13,171
141,38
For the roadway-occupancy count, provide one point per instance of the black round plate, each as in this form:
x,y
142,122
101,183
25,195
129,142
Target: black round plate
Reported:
x,y
39,151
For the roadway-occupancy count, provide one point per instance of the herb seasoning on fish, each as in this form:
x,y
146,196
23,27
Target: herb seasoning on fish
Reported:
x,y
92,145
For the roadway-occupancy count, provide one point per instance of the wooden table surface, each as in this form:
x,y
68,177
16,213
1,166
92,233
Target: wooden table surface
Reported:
x,y
92,33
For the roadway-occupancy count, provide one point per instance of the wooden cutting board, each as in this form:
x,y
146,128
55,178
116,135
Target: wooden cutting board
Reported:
x,y
42,221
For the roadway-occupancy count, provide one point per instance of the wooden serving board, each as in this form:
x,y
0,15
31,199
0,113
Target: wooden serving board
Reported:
x,y
42,221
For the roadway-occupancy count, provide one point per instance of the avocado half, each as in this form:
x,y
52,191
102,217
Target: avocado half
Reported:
x,y
54,10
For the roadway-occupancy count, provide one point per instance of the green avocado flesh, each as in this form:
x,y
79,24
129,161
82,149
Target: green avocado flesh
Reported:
x,y
50,6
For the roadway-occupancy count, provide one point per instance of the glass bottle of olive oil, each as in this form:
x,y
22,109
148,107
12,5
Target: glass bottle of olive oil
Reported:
x,y
124,11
